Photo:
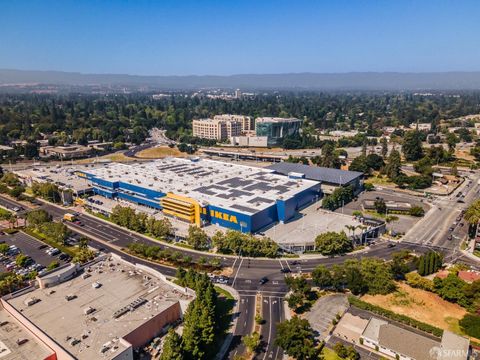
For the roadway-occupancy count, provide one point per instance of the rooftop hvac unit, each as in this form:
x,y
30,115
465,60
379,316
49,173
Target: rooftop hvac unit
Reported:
x,y
74,342
31,301
88,310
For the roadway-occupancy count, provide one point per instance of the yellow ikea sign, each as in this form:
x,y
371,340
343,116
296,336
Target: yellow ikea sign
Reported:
x,y
223,216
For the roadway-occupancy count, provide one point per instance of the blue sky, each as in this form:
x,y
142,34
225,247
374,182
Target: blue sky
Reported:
x,y
235,37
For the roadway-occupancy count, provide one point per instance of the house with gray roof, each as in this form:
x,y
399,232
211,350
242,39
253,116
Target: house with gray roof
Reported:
x,y
398,342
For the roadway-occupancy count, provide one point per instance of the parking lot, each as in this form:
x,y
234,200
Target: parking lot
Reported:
x,y
29,246
324,311
404,222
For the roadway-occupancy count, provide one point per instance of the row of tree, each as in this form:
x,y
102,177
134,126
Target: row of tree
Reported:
x,y
202,328
158,253
235,242
333,243
138,221
338,198
429,263
368,275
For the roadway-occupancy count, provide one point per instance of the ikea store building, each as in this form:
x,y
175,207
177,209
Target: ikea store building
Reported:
x,y
201,191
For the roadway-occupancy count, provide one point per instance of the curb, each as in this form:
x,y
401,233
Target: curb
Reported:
x,y
228,340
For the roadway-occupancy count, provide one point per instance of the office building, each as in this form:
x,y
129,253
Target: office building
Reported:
x,y
216,129
275,129
248,123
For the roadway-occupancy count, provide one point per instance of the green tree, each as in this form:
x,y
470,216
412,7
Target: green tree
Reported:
x,y
380,205
172,347
17,191
384,143
36,218
472,214
53,265
412,145
252,342
416,211
322,277
377,274
83,242
10,179
359,164
197,237
331,243
56,231
297,339
394,164
21,260
4,248
452,141
470,325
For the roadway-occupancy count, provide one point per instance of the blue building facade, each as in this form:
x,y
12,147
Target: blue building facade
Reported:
x,y
282,210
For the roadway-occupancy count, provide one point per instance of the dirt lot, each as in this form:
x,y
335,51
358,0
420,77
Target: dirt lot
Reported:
x,y
159,152
420,305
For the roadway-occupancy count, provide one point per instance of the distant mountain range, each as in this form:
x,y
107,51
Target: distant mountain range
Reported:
x,y
304,81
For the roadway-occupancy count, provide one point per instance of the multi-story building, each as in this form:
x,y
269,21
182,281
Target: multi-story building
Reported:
x,y
248,123
216,129
276,128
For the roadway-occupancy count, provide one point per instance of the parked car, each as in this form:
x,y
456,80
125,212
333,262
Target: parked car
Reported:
x,y
64,256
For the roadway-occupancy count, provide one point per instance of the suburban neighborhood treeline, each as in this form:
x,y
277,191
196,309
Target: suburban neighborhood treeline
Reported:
x,y
79,118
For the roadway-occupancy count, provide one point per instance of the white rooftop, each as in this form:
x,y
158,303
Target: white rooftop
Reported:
x,y
276,119
241,188
90,316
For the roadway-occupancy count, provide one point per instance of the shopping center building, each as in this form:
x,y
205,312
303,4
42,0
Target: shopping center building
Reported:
x,y
203,191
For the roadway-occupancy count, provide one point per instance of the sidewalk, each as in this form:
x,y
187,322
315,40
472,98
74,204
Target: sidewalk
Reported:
x,y
228,340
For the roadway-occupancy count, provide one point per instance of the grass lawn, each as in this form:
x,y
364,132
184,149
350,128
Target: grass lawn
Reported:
x,y
420,305
4,213
225,304
379,181
160,152
117,156
329,354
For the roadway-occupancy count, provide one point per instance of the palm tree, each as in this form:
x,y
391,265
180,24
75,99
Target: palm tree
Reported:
x,y
362,227
472,214
391,218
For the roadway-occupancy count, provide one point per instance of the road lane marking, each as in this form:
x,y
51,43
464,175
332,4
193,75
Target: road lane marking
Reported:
x,y
269,332
236,274
286,262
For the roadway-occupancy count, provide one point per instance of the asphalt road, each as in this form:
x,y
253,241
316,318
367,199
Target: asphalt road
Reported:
x,y
273,313
246,272
433,229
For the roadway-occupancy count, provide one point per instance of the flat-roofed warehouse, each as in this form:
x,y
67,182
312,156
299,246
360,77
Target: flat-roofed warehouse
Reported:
x,y
105,310
201,191
329,178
